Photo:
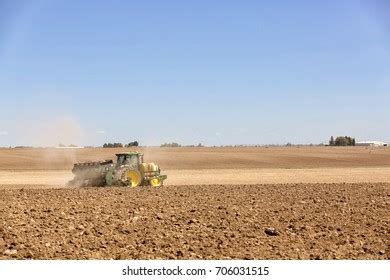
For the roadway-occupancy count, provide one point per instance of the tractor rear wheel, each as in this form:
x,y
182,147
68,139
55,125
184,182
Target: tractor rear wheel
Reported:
x,y
134,177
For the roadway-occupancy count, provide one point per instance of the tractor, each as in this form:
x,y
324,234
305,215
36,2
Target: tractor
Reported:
x,y
129,170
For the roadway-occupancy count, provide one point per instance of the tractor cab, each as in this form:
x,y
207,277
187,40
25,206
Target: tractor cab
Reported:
x,y
133,160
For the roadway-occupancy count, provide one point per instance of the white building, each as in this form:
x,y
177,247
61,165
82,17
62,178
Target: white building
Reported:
x,y
371,144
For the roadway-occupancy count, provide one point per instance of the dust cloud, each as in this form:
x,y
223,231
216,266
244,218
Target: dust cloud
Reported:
x,y
52,133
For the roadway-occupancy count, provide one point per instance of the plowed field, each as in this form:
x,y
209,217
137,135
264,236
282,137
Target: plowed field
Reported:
x,y
317,203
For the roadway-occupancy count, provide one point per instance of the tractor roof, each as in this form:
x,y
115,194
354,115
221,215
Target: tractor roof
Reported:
x,y
129,154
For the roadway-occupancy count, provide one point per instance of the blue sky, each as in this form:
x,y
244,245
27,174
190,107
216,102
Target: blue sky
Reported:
x,y
216,72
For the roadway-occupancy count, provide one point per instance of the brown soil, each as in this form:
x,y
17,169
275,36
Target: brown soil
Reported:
x,y
59,178
204,158
313,221
205,211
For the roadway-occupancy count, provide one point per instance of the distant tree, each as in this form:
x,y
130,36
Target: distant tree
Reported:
x,y
133,144
200,145
331,142
341,141
112,145
170,145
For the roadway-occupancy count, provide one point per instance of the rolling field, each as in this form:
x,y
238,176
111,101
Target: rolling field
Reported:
x,y
204,158
218,203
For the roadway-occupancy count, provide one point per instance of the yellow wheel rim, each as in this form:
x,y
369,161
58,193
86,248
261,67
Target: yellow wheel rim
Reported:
x,y
135,177
156,182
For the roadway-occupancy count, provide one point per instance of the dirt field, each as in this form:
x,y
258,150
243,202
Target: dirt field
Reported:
x,y
204,158
198,222
192,166
58,179
217,204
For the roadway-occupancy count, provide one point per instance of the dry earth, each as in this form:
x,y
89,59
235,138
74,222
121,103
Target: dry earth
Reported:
x,y
204,158
323,221
187,166
58,179
213,206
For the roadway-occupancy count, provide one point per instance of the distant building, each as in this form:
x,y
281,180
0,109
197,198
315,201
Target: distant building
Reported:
x,y
371,144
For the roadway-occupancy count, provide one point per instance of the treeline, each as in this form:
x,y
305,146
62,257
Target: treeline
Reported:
x,y
176,145
342,141
67,146
170,145
120,145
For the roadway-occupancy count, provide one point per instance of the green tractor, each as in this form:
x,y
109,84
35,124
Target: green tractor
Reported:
x,y
129,170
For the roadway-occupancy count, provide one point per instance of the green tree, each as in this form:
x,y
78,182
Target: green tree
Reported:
x,y
341,141
170,145
133,144
112,145
349,140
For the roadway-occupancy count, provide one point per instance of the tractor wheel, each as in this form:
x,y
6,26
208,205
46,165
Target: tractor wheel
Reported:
x,y
134,177
156,182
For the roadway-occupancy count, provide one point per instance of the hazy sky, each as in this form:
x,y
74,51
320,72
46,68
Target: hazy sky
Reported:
x,y
216,72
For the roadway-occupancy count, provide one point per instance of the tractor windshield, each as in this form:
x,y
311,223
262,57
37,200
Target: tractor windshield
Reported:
x,y
132,161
